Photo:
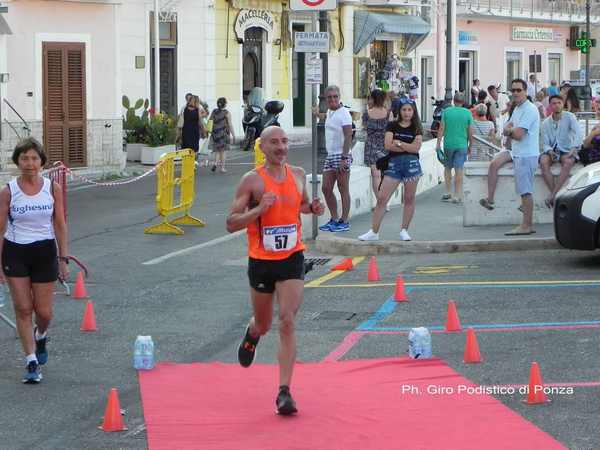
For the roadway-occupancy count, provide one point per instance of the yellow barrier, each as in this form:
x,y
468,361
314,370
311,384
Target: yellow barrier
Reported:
x,y
259,156
166,182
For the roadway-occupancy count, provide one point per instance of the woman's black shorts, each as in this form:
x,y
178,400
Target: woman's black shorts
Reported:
x,y
37,260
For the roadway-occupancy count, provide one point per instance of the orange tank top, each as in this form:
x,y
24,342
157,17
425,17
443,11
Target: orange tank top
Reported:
x,y
278,232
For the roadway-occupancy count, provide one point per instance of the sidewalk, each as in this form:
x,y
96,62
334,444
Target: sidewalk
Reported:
x,y
436,228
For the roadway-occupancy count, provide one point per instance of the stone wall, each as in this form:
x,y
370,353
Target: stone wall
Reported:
x,y
104,143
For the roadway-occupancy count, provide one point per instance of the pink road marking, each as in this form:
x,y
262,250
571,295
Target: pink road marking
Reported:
x,y
345,346
574,384
483,330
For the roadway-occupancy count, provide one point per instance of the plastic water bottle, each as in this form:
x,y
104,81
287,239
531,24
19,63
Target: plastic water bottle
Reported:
x,y
2,294
143,353
419,343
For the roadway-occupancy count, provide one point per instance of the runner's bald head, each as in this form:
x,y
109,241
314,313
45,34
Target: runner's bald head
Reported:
x,y
269,131
274,144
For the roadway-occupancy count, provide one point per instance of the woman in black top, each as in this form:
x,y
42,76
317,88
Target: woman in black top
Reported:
x,y
193,127
403,139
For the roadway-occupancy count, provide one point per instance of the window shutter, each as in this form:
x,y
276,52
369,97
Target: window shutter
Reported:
x,y
76,115
54,114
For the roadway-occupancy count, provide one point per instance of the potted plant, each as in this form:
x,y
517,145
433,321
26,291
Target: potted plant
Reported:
x,y
134,127
159,137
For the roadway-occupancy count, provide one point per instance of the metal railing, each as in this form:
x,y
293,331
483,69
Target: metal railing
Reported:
x,y
531,7
492,148
26,126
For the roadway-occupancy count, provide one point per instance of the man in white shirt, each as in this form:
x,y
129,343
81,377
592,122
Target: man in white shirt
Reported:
x,y
338,139
532,87
523,130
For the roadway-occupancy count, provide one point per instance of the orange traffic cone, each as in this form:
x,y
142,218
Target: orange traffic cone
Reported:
x,y
373,274
79,291
346,264
452,322
472,354
89,318
536,394
400,293
113,420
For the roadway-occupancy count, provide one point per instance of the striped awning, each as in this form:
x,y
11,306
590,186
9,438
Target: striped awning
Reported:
x,y
369,25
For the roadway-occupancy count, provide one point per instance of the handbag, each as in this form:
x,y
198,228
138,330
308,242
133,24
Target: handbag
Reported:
x,y
589,155
382,165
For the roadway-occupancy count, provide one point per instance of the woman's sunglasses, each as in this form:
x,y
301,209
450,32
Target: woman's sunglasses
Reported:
x,y
406,101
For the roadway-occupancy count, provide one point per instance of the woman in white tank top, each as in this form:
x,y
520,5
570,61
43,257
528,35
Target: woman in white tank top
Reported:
x,y
33,224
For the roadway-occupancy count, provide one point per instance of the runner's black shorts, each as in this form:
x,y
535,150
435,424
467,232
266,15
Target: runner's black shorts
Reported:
x,y
37,260
263,274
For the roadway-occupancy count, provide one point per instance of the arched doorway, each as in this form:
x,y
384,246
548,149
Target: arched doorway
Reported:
x,y
252,59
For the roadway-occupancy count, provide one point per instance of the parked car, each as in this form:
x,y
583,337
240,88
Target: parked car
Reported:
x,y
577,211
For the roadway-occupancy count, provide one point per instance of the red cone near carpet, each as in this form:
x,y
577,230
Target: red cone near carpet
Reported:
x,y
346,264
400,293
79,291
452,322
472,354
536,394
113,420
89,318
373,274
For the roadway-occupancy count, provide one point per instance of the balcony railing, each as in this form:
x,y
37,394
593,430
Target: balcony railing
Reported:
x,y
531,8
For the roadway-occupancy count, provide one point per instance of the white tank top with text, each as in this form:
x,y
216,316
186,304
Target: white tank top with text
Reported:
x,y
30,216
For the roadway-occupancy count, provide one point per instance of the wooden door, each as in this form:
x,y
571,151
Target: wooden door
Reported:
x,y
65,133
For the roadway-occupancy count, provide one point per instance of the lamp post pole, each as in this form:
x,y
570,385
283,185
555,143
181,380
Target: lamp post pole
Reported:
x,y
449,47
156,59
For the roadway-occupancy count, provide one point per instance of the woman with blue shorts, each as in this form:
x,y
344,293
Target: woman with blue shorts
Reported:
x,y
403,139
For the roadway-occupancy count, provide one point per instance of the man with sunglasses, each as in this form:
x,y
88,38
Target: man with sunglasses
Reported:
x,y
338,139
523,130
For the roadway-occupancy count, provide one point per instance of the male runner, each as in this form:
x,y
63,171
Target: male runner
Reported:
x,y
268,202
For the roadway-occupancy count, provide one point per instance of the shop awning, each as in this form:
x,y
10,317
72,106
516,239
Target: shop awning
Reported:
x,y
368,25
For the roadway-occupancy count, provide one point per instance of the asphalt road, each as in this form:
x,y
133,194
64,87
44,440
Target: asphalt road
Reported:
x,y
195,306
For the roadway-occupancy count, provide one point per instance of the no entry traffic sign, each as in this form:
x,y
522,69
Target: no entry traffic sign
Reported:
x,y
313,5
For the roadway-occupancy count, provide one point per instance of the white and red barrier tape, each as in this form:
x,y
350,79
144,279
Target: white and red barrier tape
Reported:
x,y
59,166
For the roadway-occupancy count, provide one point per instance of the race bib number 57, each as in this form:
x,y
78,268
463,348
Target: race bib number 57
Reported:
x,y
280,238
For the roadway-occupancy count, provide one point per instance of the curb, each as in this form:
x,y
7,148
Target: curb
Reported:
x,y
354,247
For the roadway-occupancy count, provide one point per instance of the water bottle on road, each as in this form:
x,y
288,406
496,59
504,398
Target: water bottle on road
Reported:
x,y
143,353
419,343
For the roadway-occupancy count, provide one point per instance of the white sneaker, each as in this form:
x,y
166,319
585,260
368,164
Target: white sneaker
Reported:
x,y
404,236
369,236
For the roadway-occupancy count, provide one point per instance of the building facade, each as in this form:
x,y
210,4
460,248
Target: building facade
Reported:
x,y
63,80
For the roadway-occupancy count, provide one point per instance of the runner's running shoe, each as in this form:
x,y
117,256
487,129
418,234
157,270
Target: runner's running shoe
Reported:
x,y
33,373
41,353
285,403
247,349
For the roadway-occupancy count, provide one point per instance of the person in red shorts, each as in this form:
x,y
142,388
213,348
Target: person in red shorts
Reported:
x,y
268,203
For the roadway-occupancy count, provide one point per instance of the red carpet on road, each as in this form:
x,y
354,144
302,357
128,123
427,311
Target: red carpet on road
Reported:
x,y
342,405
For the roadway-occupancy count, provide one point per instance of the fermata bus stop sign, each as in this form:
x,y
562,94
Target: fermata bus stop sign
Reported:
x,y
313,5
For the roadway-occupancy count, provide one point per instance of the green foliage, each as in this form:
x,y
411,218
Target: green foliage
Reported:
x,y
133,124
160,130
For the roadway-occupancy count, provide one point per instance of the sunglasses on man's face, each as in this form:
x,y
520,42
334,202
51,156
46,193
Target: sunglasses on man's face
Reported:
x,y
517,90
